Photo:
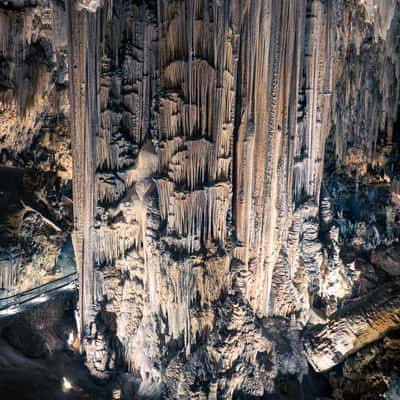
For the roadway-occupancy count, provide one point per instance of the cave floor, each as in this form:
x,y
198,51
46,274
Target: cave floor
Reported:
x,y
23,378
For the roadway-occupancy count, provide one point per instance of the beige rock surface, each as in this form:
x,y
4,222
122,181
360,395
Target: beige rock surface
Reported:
x,y
233,164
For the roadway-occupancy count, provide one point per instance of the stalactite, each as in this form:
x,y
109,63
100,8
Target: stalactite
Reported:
x,y
192,166
165,191
111,243
110,187
9,267
210,122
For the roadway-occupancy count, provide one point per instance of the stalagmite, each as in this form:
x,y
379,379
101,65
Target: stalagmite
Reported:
x,y
209,129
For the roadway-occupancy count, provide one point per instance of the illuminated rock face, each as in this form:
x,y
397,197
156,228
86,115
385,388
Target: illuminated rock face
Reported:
x,y
36,164
234,164
366,321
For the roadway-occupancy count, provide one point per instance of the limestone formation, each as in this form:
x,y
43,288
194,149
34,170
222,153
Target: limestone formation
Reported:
x,y
356,325
235,181
36,163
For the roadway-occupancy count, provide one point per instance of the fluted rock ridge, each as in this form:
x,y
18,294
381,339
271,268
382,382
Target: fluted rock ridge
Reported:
x,y
235,179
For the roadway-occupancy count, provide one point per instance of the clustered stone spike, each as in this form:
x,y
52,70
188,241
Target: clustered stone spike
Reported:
x,y
235,179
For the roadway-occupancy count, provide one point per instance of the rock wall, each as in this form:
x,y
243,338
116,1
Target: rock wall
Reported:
x,y
36,163
235,180
209,125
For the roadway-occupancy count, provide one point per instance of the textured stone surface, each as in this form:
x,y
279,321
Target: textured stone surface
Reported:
x,y
235,178
371,373
354,326
36,173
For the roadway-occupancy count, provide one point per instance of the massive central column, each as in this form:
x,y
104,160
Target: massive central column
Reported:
x,y
84,30
199,135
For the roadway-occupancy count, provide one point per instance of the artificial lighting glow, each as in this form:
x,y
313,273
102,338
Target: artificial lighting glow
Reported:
x,y
10,310
70,286
66,384
70,340
43,297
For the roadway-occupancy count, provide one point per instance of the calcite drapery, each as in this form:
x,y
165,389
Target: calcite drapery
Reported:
x,y
204,128
234,165
35,176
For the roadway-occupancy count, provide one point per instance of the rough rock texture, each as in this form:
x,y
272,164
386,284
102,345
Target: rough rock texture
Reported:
x,y
354,326
202,135
236,179
35,358
36,172
372,373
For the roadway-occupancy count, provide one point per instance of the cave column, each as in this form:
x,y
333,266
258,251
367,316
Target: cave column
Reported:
x,y
84,60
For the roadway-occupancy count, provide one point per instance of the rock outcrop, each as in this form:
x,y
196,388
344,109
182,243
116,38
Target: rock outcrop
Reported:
x,y
356,325
36,163
235,179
